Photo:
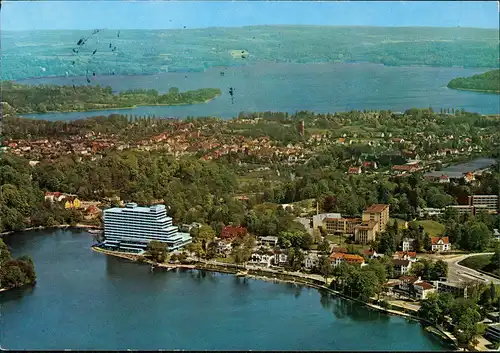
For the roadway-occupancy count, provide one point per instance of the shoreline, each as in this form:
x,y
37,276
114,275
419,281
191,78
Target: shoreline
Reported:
x,y
59,226
123,108
474,90
236,65
276,277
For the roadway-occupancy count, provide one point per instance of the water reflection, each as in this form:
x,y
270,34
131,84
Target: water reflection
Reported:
x,y
347,309
16,294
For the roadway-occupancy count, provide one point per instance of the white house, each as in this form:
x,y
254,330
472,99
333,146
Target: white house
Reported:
x,y
280,258
401,267
440,244
311,260
423,289
406,255
263,260
408,244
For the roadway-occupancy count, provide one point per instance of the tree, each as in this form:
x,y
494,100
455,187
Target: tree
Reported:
x,y
325,267
324,247
427,242
439,269
4,252
158,250
430,309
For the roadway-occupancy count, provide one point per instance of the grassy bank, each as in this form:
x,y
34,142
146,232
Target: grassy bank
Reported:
x,y
481,263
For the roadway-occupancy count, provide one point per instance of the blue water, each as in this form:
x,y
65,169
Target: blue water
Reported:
x,y
319,87
85,300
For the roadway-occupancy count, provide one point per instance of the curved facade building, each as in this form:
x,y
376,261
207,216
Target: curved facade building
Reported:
x,y
131,228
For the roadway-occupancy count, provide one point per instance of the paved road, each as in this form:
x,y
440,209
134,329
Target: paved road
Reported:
x,y
462,273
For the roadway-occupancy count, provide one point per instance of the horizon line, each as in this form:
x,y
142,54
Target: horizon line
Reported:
x,y
247,26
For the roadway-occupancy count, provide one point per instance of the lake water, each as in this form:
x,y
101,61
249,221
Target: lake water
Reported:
x,y
86,300
319,87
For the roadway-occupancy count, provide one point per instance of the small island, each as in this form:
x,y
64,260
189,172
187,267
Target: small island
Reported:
x,y
15,273
27,99
487,82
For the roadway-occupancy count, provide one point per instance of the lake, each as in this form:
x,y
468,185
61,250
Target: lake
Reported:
x,y
86,300
288,87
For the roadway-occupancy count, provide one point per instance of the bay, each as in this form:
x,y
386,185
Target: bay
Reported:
x,y
85,300
290,87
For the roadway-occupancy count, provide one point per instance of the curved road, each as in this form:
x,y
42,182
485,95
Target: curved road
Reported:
x,y
462,273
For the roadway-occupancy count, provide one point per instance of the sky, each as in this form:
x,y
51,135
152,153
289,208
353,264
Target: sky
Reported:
x,y
40,15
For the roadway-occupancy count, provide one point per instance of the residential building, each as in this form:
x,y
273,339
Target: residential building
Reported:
x,y
371,254
408,244
354,170
406,255
401,267
440,244
311,260
269,241
131,228
444,179
72,202
423,289
406,282
490,203
366,232
378,213
262,259
280,258
338,258
224,248
232,232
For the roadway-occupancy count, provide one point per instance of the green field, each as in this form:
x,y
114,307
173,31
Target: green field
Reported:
x,y
481,262
434,228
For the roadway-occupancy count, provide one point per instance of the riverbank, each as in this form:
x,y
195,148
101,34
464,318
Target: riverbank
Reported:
x,y
59,226
269,274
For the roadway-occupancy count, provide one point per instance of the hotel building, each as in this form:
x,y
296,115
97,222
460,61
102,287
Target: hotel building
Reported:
x,y
131,228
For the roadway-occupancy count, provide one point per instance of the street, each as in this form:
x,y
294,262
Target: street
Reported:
x,y
458,272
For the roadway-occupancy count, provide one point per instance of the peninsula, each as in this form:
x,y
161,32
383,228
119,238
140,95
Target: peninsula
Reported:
x,y
487,82
15,273
27,99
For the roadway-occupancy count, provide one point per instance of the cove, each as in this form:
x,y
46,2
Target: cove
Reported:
x,y
287,87
86,300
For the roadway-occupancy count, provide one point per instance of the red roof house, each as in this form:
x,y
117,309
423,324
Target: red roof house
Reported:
x,y
231,232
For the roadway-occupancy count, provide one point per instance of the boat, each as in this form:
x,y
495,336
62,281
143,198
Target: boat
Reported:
x,y
95,231
242,273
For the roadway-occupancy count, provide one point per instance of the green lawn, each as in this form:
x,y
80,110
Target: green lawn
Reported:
x,y
228,260
434,228
480,262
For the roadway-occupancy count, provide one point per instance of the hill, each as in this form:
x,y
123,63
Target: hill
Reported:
x,y
487,82
50,53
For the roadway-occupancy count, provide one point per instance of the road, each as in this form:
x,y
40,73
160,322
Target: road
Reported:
x,y
462,273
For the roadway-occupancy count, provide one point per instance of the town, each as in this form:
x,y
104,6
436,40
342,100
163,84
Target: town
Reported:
x,y
398,201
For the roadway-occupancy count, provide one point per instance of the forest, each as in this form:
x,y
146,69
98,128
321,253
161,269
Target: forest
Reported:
x,y
47,98
486,82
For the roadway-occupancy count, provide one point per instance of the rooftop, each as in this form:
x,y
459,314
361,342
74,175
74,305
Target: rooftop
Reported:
x,y
377,208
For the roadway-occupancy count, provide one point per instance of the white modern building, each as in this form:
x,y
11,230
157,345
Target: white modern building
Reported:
x,y
131,228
